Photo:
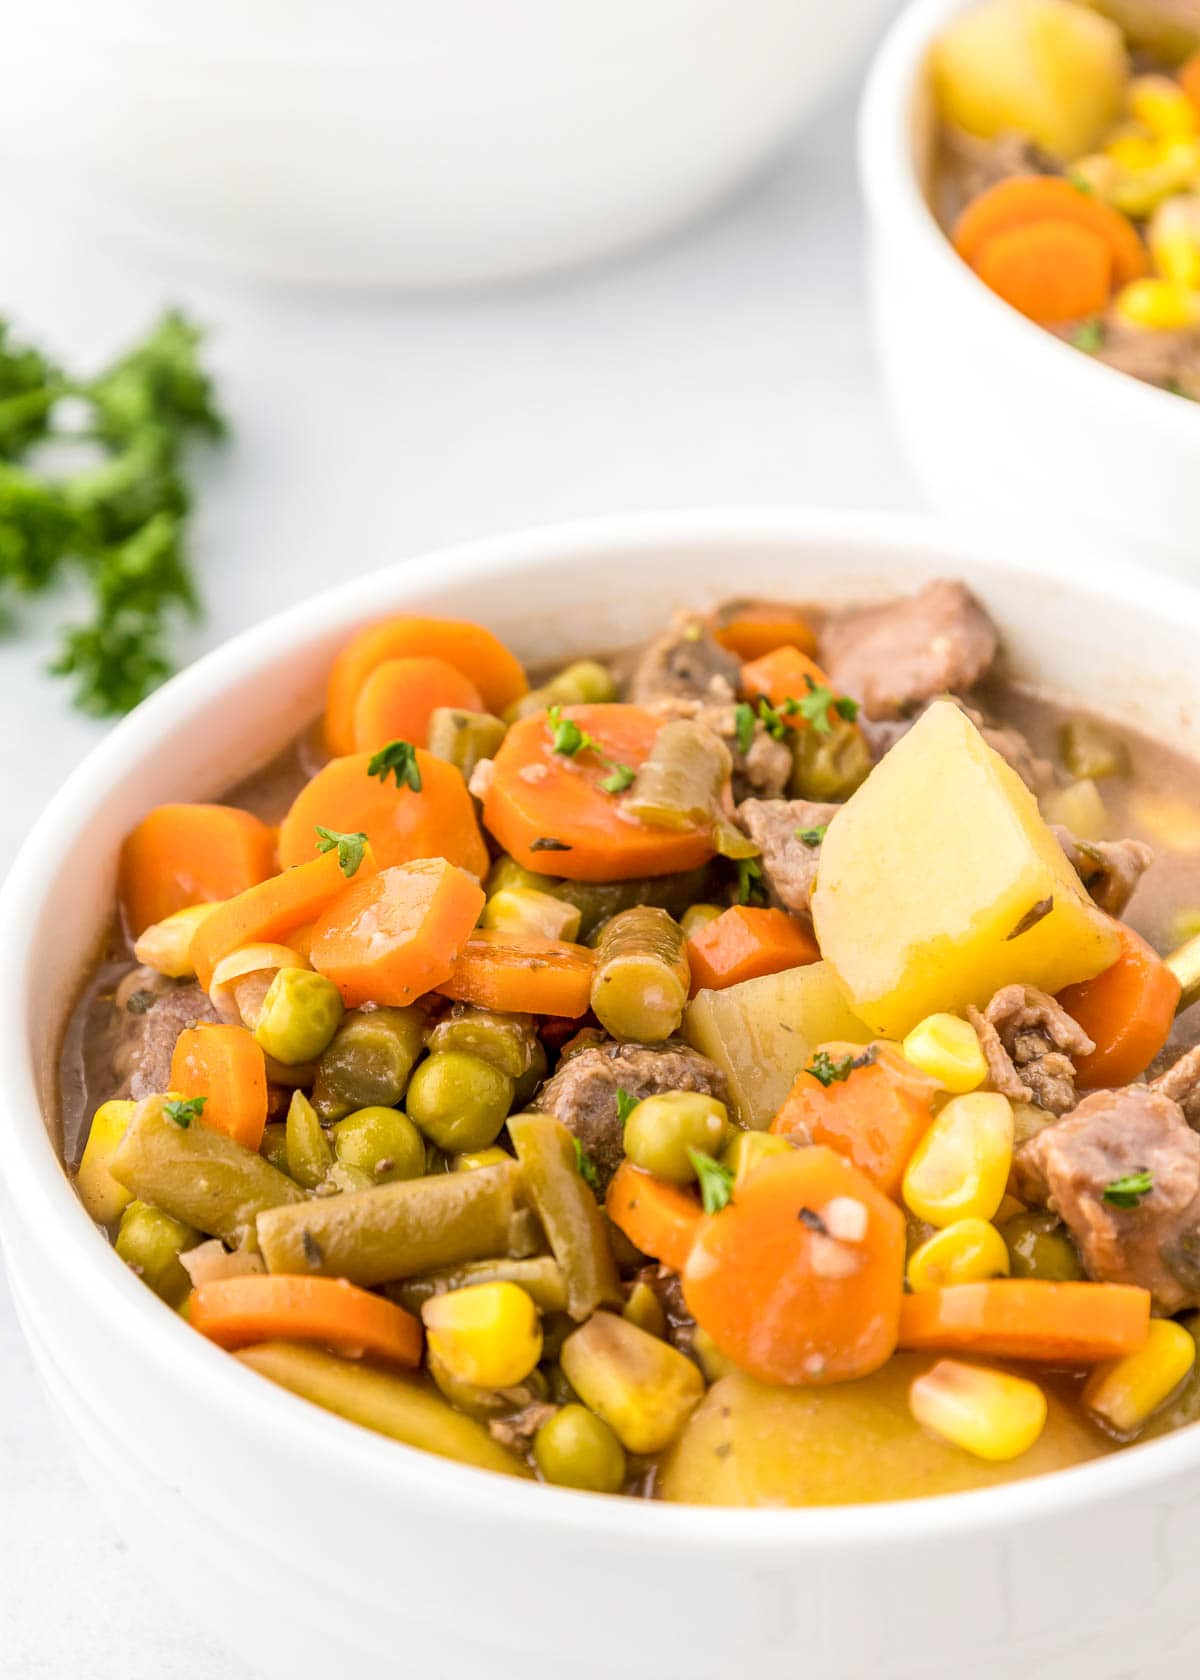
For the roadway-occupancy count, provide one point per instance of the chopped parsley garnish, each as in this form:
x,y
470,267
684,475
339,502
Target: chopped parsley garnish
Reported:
x,y
625,1104
350,848
820,701
586,1166
716,1181
812,836
1081,183
1089,335
828,1072
773,718
567,738
1127,1191
399,759
743,726
183,1110
749,888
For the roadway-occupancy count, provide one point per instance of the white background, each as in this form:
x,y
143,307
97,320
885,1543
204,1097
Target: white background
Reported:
x,y
732,365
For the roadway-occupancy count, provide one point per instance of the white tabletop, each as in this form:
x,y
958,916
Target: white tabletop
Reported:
x,y
732,365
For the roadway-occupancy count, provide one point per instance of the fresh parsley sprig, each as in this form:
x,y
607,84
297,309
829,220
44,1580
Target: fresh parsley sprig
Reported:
x,y
715,1180
350,848
569,740
750,888
812,836
586,1166
183,1110
399,759
829,1072
625,1104
1128,1190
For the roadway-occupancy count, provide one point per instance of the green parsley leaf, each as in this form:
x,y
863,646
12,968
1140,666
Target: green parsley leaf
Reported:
x,y
1127,1192
743,724
183,1110
350,848
749,888
625,1104
1089,335
846,708
566,736
828,1072
1081,183
586,1166
816,706
716,1181
812,836
399,759
622,777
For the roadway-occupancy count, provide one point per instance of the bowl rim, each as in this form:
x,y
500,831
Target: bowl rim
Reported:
x,y
35,1183
895,202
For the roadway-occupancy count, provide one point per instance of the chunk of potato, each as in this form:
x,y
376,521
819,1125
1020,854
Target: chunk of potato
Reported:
x,y
762,1033
1048,69
854,1443
642,1387
940,882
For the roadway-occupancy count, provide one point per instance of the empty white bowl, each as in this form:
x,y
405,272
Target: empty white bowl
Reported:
x,y
402,142
1005,425
316,1549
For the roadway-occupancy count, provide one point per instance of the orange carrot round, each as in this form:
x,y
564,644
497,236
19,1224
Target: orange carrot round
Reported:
x,y
1026,1318
396,935
785,674
401,821
745,942
1051,271
522,974
224,1065
659,1218
799,1279
875,1116
238,1311
1127,1011
471,649
399,697
275,908
190,854
756,627
1022,200
552,815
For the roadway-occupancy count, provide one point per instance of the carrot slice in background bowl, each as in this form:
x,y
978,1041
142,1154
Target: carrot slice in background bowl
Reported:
x,y
1050,270
190,854
399,697
1022,200
550,812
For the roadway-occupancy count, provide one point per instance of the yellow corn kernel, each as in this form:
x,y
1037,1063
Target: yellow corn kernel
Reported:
x,y
947,1048
1161,105
167,945
1174,240
988,1413
708,1355
525,910
1133,150
101,1195
1157,305
1124,1393
474,1158
960,1168
488,1334
747,1150
644,1309
966,1252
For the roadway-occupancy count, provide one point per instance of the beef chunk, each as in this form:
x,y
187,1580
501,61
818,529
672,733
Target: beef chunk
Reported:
x,y
582,1093
686,663
789,864
681,1326
1109,869
150,1013
1028,1040
1109,1136
1181,1082
893,657
763,770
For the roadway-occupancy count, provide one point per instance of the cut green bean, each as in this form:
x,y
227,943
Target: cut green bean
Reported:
x,y
273,1147
584,683
199,1176
640,986
369,1061
509,1042
464,738
541,1279
569,1212
680,784
395,1230
309,1156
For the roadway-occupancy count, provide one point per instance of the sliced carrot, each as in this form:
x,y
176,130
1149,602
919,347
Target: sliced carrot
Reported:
x,y
401,822
522,974
786,674
799,1278
1021,200
224,1065
258,1307
551,813
396,935
1052,271
1189,79
752,628
875,1116
1026,1318
659,1218
1127,1011
399,697
190,854
745,942
471,649
265,913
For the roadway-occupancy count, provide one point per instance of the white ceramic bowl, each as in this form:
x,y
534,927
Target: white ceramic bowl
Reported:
x,y
1004,424
316,1549
412,142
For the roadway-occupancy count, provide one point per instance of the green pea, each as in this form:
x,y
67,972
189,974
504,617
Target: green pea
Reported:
x,y
1039,1246
300,1014
150,1242
382,1142
576,1449
368,1062
697,916
661,1131
459,1101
